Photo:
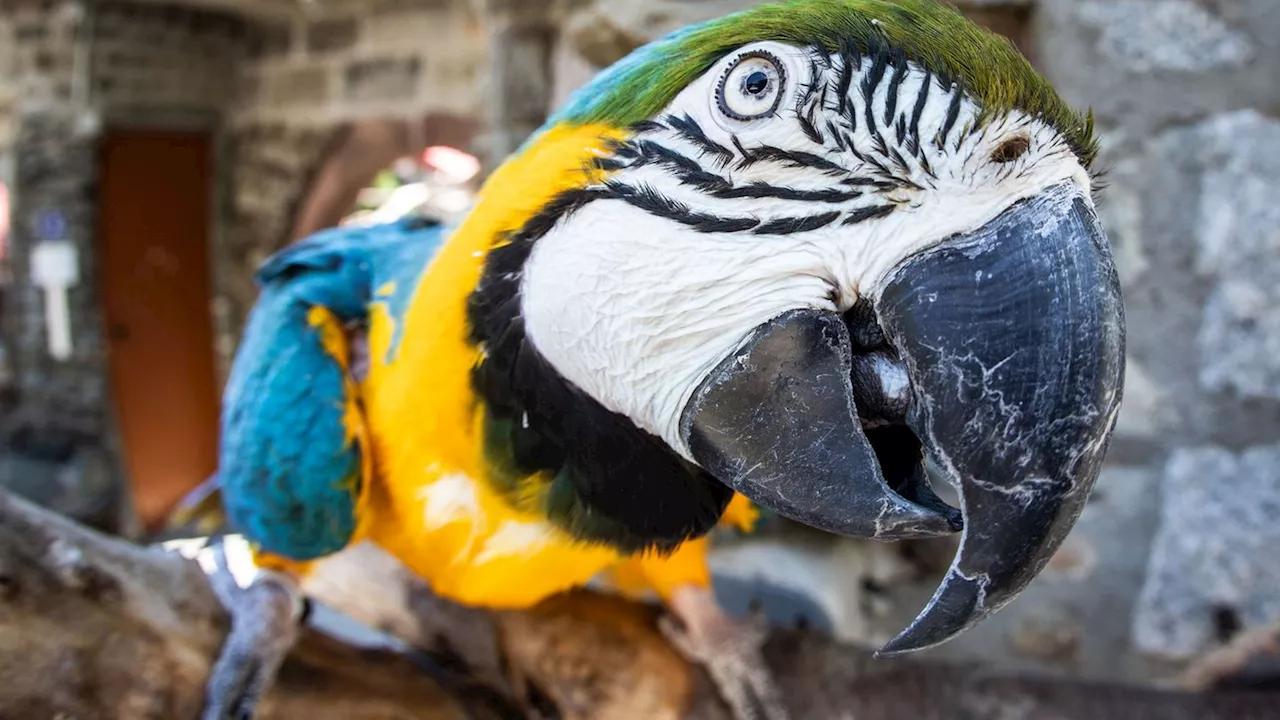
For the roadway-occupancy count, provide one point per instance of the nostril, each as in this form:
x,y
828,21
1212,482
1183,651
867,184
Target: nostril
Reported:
x,y
1011,149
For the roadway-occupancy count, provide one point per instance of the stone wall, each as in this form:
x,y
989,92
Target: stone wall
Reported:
x,y
279,92
269,164
303,84
150,60
73,69
383,58
1186,96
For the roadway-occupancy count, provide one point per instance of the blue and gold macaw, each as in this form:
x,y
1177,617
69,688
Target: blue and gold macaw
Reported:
x,y
779,256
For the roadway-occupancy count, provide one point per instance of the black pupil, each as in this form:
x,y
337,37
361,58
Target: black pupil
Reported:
x,y
757,82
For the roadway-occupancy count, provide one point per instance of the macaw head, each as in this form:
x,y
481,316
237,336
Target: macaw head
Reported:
x,y
791,253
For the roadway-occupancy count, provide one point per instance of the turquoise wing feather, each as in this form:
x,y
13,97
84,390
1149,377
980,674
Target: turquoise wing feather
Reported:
x,y
291,468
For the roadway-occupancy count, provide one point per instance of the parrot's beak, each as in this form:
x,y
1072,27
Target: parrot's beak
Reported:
x,y
1011,339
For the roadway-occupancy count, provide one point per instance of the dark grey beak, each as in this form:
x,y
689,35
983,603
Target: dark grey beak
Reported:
x,y
1011,339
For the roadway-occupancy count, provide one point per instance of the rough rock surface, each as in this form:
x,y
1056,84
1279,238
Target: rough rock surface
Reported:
x,y
1238,233
1213,566
1172,35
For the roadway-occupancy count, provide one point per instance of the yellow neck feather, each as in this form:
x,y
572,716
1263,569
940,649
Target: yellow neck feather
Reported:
x,y
425,391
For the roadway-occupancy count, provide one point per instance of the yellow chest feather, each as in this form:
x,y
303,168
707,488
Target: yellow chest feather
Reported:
x,y
428,502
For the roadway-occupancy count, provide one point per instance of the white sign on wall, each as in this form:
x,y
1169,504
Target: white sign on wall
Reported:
x,y
55,269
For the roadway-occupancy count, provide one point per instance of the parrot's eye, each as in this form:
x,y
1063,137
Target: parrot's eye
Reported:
x,y
752,86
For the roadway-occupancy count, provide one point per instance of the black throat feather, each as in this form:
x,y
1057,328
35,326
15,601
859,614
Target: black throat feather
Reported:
x,y
553,448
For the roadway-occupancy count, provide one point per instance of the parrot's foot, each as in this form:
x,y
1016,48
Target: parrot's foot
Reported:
x,y
265,620
729,649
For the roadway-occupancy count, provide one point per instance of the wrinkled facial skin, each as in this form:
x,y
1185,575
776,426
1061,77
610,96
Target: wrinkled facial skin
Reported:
x,y
814,269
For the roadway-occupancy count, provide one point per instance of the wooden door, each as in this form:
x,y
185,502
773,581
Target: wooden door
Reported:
x,y
154,263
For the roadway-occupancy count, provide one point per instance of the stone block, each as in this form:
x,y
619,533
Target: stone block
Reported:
x,y
409,31
1150,63
1213,568
1240,340
1238,236
382,79
270,40
298,85
1239,224
398,7
1147,36
332,34
1199,253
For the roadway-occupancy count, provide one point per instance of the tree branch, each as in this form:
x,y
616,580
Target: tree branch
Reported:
x,y
94,627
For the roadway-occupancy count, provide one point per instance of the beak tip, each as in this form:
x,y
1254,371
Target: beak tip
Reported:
x,y
890,651
958,605
907,642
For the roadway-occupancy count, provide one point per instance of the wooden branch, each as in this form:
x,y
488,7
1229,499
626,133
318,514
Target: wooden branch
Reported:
x,y
93,627
1223,663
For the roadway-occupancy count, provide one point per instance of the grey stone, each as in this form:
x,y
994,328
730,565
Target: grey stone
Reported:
x,y
1240,340
1171,35
1150,64
1214,555
302,85
1238,236
269,40
1197,255
384,78
1143,411
1239,224
332,34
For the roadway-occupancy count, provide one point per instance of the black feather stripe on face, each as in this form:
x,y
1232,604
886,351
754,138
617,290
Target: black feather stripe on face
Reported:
x,y
594,473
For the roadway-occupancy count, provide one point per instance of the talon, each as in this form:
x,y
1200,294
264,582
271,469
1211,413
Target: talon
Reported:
x,y
265,620
730,651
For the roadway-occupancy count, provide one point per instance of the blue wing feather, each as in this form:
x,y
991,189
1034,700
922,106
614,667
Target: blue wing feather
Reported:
x,y
290,475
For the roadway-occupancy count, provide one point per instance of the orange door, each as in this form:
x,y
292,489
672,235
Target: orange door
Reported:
x,y
154,245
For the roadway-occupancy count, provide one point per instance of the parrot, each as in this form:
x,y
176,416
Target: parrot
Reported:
x,y
784,259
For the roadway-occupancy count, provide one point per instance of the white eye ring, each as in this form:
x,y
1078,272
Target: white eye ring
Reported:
x,y
752,86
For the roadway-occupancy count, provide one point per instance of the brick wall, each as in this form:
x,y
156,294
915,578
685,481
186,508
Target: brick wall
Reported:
x,y
36,56
63,70
148,57
301,84
392,58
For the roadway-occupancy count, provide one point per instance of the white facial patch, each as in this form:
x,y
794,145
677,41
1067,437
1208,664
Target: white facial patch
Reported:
x,y
712,224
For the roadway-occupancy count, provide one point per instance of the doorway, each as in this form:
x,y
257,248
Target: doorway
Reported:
x,y
153,244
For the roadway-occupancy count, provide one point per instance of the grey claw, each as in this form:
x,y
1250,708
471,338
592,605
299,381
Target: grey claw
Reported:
x,y
736,666
265,620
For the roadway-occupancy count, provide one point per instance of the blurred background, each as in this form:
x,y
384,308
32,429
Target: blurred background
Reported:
x,y
152,154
